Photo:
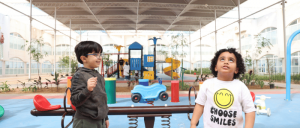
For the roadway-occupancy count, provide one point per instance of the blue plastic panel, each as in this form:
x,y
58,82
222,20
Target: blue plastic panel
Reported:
x,y
143,80
135,64
135,46
148,60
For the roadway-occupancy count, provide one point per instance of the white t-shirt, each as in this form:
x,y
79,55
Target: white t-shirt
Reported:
x,y
224,102
126,70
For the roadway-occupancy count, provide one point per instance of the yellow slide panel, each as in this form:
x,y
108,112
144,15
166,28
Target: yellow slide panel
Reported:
x,y
176,64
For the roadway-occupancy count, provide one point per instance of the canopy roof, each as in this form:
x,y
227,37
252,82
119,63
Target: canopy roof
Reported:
x,y
161,15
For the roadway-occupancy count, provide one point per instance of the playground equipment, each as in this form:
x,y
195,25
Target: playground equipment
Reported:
x,y
261,105
1,111
148,112
168,70
154,41
288,65
136,63
119,48
149,62
141,93
42,104
113,69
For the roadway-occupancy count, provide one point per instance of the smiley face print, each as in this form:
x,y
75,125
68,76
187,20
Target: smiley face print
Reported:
x,y
223,98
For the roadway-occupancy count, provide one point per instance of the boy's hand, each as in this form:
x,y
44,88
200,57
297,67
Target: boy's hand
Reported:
x,y
107,123
91,83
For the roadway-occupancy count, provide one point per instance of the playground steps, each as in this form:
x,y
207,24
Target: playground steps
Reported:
x,y
112,70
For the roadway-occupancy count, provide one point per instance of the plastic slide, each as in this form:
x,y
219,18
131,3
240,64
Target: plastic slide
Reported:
x,y
176,64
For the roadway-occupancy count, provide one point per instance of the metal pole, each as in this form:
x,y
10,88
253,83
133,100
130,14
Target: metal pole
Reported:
x,y
29,70
70,48
154,68
288,89
240,47
190,51
118,65
200,49
55,41
216,29
80,34
242,19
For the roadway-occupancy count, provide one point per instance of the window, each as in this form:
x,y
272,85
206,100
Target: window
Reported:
x,y
47,49
14,66
186,65
186,50
246,42
274,62
46,67
205,64
36,45
206,50
16,41
292,27
35,66
270,34
295,62
61,68
62,49
159,47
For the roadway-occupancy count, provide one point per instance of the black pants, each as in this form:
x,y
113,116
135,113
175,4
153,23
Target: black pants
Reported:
x,y
88,123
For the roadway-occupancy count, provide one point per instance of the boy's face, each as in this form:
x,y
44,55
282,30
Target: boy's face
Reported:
x,y
92,60
226,64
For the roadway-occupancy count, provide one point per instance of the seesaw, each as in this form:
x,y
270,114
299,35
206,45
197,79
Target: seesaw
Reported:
x,y
148,112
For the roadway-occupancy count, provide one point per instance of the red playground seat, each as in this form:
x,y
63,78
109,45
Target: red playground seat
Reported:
x,y
42,104
73,107
253,95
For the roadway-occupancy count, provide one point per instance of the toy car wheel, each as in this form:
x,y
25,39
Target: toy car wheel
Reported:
x,y
163,96
257,110
268,112
135,98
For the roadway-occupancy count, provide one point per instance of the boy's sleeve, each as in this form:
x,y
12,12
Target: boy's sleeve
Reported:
x,y
247,102
201,97
79,90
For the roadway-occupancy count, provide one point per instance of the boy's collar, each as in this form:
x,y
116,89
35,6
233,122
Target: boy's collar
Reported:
x,y
86,69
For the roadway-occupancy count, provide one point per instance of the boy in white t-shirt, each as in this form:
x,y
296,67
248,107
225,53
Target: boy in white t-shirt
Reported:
x,y
222,100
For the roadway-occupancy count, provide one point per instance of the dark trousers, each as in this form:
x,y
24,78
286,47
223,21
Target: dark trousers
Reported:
x,y
88,123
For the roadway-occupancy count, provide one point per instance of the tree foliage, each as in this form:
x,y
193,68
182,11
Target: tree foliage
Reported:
x,y
64,61
34,49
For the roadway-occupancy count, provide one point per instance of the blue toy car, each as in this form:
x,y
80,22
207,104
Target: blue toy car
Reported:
x,y
146,94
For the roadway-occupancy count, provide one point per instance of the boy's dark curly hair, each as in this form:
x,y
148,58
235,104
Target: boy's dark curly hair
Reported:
x,y
239,62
